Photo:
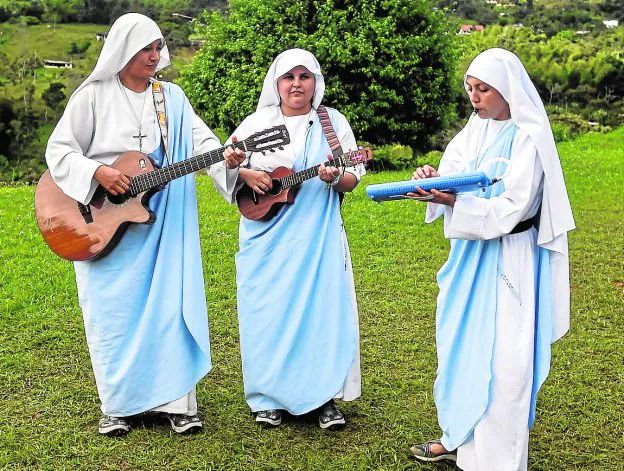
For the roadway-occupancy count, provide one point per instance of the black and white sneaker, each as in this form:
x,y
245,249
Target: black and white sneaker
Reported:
x,y
181,423
271,417
113,426
424,453
330,417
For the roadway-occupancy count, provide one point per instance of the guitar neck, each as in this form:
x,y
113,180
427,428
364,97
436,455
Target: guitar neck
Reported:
x,y
300,177
164,175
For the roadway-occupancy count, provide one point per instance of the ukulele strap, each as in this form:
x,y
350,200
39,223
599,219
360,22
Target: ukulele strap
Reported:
x,y
328,130
330,135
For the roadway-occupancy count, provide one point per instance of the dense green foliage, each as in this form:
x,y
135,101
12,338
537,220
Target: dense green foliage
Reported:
x,y
100,11
48,398
387,64
377,72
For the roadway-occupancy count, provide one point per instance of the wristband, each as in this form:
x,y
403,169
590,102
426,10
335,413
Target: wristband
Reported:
x,y
333,183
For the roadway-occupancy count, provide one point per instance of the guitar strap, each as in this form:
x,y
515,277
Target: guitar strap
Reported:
x,y
330,135
159,104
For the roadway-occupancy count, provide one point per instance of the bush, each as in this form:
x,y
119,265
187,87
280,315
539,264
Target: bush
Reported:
x,y
391,157
430,158
388,64
27,20
567,126
561,132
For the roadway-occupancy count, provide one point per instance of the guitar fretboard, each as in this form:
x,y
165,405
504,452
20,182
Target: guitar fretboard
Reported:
x,y
164,175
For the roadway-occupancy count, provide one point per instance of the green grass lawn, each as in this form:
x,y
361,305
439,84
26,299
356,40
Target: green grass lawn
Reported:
x,y
49,405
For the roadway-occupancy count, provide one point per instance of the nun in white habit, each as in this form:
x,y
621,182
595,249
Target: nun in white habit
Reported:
x,y
295,291
143,304
504,291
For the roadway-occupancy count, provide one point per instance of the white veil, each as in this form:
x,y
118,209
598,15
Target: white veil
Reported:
x,y
128,35
503,70
284,62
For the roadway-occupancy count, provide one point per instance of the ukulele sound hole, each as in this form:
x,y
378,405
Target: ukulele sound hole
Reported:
x,y
277,187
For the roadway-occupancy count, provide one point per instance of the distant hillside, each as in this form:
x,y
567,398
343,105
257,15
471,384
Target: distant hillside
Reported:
x,y
27,47
549,16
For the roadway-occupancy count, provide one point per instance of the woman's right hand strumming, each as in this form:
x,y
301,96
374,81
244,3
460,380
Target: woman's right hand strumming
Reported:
x,y
113,181
258,181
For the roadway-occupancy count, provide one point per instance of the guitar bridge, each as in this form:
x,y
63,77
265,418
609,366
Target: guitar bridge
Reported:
x,y
85,211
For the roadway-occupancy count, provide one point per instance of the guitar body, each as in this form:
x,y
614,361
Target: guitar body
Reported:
x,y
263,207
77,232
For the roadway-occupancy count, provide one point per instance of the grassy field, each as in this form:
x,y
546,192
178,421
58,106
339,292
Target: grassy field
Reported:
x,y
49,404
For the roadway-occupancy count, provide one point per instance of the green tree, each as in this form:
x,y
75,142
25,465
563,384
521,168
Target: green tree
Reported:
x,y
388,64
6,117
53,96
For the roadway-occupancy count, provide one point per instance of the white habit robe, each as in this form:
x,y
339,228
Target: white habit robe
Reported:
x,y
298,127
500,439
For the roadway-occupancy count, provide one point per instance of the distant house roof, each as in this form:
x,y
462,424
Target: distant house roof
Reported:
x,y
611,23
100,36
51,64
467,29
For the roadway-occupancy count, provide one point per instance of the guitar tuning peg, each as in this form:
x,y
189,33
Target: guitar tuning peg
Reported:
x,y
263,152
281,148
272,150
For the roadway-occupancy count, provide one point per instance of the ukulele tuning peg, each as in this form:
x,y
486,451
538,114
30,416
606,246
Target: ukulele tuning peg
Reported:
x,y
263,152
272,150
281,148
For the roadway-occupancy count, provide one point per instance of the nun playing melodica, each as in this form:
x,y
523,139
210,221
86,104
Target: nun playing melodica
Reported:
x,y
297,310
143,305
504,291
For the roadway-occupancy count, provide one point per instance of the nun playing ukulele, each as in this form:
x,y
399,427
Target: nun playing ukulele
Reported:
x,y
297,310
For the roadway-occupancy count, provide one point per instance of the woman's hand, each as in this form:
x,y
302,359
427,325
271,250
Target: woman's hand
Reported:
x,y
113,181
426,171
258,181
328,173
233,157
434,196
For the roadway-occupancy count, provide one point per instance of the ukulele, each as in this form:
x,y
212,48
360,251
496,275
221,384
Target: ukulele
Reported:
x,y
76,231
286,183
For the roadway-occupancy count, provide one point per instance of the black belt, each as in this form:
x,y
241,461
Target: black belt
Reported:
x,y
525,225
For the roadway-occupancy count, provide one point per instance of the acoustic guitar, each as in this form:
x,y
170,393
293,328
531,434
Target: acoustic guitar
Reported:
x,y
76,231
286,183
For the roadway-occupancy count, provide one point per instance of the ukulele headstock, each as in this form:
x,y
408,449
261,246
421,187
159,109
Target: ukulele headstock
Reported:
x,y
359,156
269,139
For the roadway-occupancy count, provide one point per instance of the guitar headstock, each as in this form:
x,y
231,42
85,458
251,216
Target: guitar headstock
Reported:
x,y
354,157
269,139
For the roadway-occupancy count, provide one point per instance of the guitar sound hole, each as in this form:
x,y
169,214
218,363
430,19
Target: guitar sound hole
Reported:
x,y
118,199
277,188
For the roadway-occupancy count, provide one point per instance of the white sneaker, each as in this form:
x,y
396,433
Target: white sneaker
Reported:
x,y
181,423
271,417
113,426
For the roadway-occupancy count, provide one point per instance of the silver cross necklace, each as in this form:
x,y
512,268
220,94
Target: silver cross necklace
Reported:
x,y
138,118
